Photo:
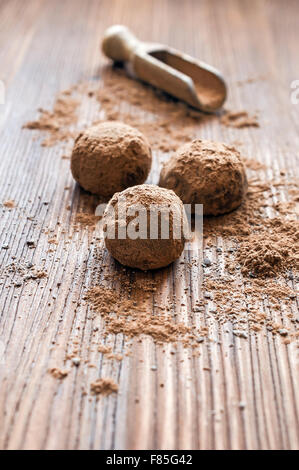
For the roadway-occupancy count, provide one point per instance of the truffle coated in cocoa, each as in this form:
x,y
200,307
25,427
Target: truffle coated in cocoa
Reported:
x,y
208,173
109,157
145,253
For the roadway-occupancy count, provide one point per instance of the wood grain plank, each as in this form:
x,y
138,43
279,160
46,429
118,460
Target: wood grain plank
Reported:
x,y
237,394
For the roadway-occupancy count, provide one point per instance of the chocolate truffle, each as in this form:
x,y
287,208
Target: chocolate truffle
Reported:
x,y
110,157
208,173
145,227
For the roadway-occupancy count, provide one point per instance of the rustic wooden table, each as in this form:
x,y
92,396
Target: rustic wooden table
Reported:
x,y
47,46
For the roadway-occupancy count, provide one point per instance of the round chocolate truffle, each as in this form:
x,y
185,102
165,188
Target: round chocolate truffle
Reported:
x,y
208,173
110,157
145,227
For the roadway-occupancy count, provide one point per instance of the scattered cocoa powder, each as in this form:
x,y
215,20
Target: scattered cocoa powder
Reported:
x,y
58,373
268,253
107,351
267,246
250,80
260,254
103,387
250,306
104,349
239,119
10,204
53,241
89,220
56,123
115,357
253,164
168,122
134,318
20,272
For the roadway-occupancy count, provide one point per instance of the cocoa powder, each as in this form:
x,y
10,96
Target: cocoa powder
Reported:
x,y
56,123
168,122
10,204
58,373
239,119
134,318
103,387
87,220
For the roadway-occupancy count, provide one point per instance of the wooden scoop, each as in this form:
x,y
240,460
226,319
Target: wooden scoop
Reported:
x,y
180,75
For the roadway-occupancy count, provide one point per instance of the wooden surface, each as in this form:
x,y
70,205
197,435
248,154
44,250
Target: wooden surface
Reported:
x,y
47,46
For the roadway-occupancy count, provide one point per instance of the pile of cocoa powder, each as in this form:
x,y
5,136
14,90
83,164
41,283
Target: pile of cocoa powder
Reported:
x,y
103,387
239,119
132,316
57,123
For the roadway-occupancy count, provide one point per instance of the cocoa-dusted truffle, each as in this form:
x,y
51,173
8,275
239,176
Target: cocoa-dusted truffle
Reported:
x,y
144,227
208,173
110,157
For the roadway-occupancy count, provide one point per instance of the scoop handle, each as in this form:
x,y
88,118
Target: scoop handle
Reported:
x,y
119,43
